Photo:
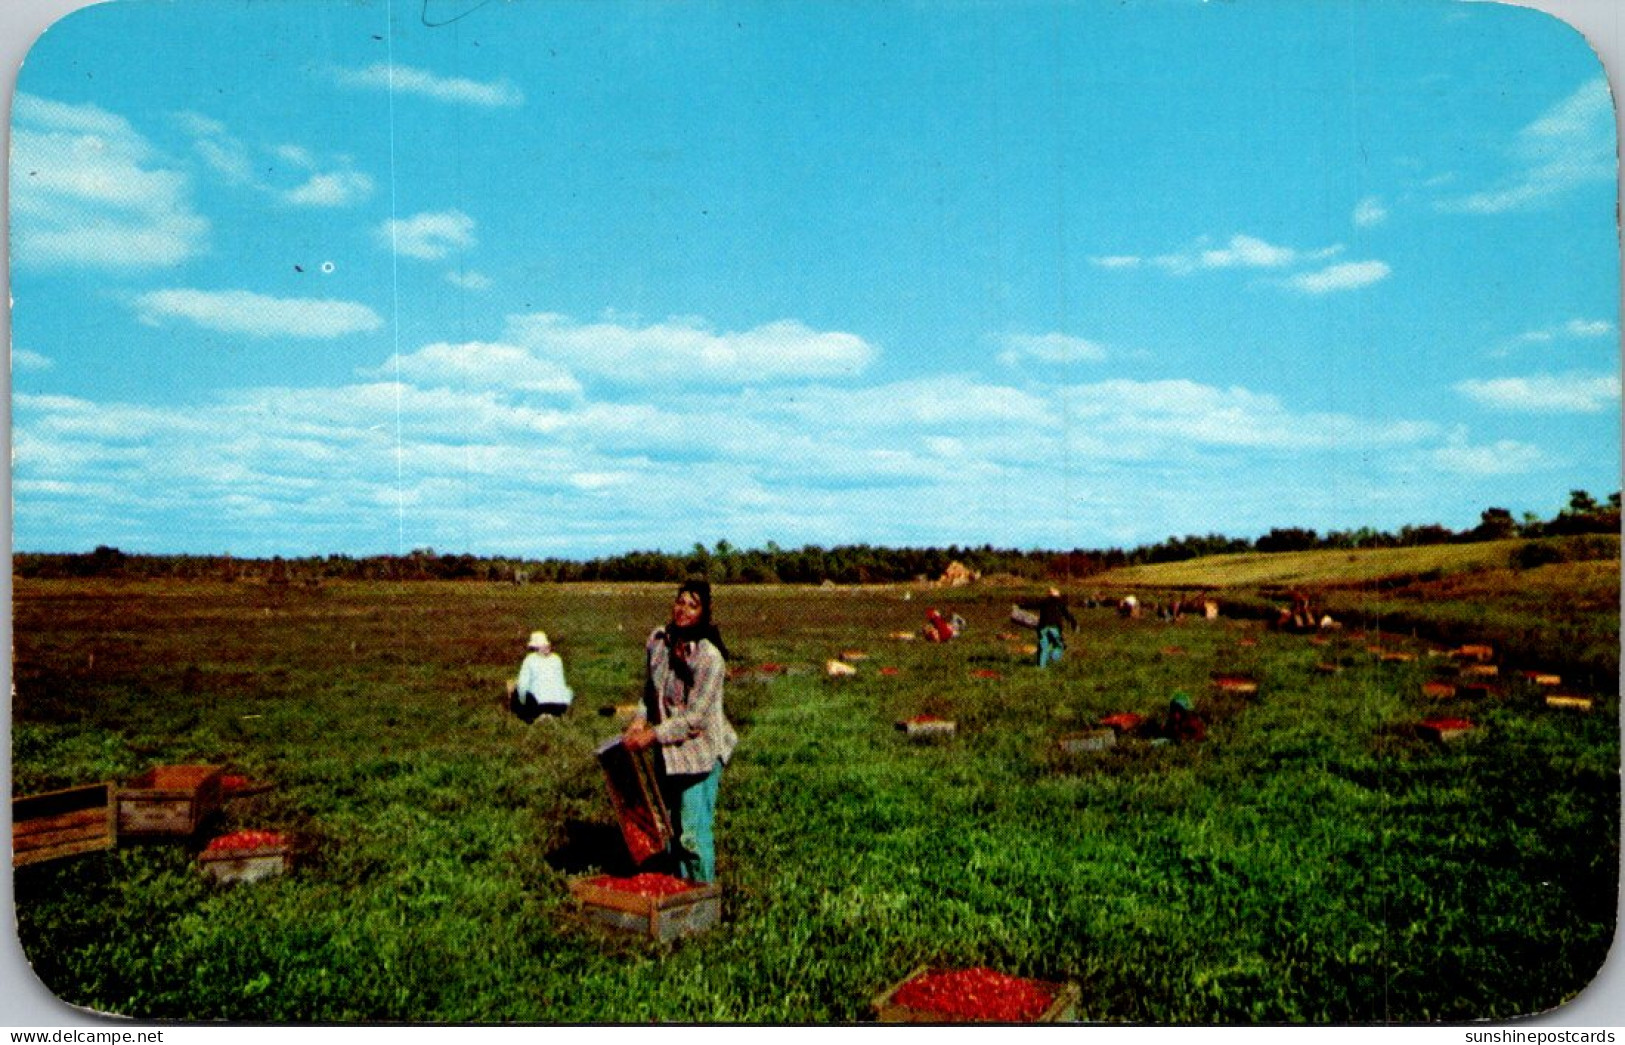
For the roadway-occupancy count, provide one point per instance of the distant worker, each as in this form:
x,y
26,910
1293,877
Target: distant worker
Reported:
x,y
540,689
940,629
1129,606
1052,612
1183,723
1301,617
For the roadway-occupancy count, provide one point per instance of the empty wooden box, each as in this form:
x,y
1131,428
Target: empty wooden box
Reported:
x,y
62,823
169,801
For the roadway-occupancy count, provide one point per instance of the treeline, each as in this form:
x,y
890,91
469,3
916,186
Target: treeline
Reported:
x,y
843,564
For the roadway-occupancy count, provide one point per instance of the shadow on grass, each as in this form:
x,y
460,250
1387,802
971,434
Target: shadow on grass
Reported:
x,y
595,847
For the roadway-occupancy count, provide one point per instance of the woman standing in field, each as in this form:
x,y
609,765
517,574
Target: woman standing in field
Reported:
x,y
682,715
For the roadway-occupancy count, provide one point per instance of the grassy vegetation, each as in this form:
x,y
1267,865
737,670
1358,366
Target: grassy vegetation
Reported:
x,y
1550,603
1342,568
1314,860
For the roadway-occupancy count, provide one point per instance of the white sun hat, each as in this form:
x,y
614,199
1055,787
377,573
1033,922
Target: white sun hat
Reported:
x,y
538,641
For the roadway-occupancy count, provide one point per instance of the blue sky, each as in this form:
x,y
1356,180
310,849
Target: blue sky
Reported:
x,y
576,278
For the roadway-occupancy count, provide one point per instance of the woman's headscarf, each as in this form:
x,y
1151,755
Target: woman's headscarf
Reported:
x,y
704,628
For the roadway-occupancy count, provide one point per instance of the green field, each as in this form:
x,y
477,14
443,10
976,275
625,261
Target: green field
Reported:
x,y
1314,860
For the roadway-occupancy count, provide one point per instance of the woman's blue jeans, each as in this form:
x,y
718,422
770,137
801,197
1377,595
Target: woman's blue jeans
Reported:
x,y
1050,645
691,801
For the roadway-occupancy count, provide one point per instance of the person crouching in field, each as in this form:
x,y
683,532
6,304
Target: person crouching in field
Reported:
x,y
682,715
540,689
1052,612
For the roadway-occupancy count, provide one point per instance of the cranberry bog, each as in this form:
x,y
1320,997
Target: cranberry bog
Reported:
x,y
1313,860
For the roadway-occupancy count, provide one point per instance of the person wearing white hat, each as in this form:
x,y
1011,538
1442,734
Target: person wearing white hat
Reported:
x,y
540,689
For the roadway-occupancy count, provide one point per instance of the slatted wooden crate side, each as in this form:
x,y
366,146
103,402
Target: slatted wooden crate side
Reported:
x,y
62,823
246,865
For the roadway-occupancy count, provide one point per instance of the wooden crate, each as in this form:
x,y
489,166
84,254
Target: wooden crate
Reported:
x,y
634,792
927,728
887,1010
1235,684
1541,678
55,824
1089,741
246,865
169,801
661,918
1479,671
1567,703
1438,690
1444,730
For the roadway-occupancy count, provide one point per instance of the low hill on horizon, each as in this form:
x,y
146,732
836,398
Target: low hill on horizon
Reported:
x,y
1335,568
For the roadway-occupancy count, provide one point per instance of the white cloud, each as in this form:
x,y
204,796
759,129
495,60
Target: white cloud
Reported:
x,y
457,453
1248,252
23,359
685,351
234,160
87,189
1370,211
1574,329
480,363
1504,457
407,80
429,236
1240,251
1048,348
1139,418
228,158
1574,393
1588,328
257,315
934,404
1350,275
469,280
338,189
1570,145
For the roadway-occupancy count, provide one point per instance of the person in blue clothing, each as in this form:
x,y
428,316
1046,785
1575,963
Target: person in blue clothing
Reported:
x,y
1052,613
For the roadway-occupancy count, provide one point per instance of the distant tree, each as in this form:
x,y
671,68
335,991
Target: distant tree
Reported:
x,y
1288,539
1585,515
105,561
1581,503
1495,524
1432,533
